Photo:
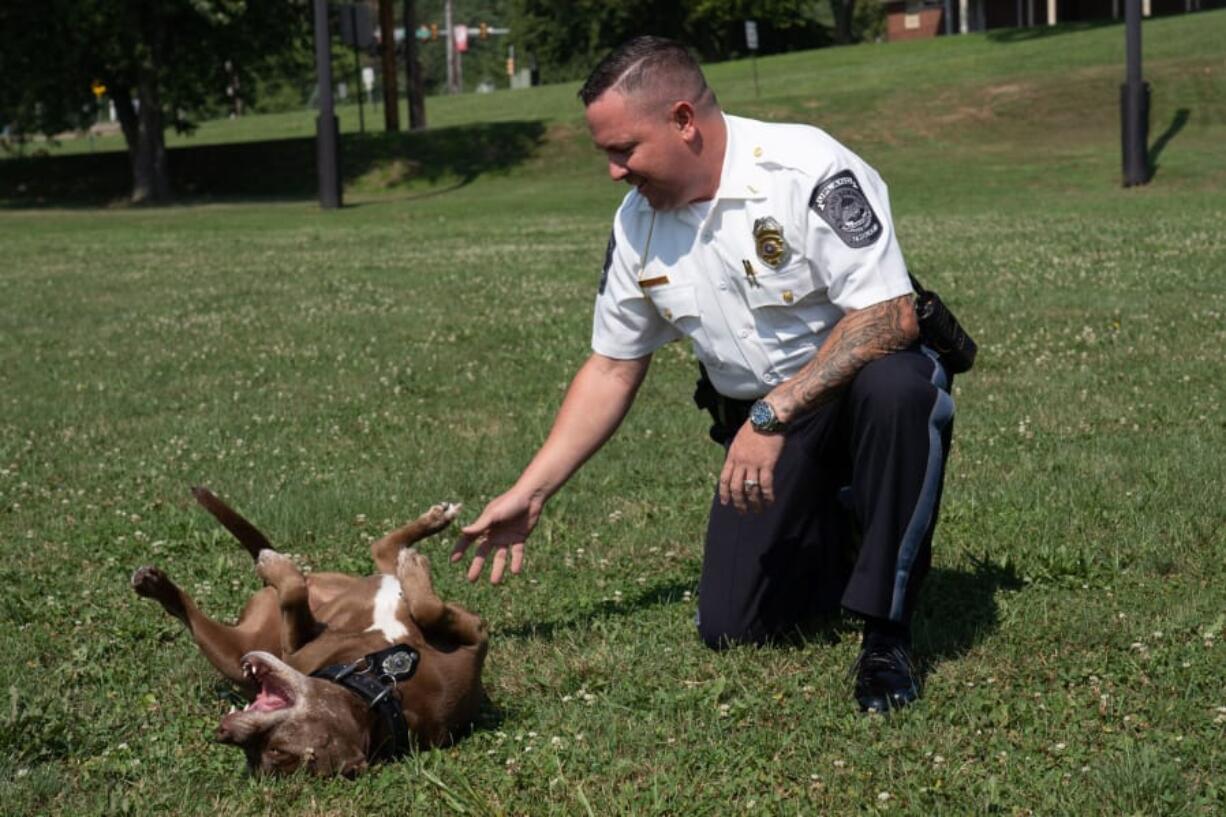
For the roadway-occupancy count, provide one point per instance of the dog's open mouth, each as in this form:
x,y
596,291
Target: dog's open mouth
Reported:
x,y
273,695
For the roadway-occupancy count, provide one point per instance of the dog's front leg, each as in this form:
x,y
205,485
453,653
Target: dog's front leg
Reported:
x,y
386,550
222,645
436,619
298,624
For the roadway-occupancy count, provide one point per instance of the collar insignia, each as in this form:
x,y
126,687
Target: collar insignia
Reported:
x,y
768,238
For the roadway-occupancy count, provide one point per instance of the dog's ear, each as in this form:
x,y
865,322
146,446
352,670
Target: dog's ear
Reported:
x,y
348,764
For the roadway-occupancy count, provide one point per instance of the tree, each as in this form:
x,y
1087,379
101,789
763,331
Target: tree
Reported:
x,y
415,86
160,60
844,13
568,37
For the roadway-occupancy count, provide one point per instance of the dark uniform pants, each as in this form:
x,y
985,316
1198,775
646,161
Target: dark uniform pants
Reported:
x,y
867,467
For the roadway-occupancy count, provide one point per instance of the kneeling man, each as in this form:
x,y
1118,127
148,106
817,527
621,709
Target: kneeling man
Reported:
x,y
771,247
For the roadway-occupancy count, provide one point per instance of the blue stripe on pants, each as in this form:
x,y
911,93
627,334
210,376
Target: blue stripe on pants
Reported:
x,y
925,505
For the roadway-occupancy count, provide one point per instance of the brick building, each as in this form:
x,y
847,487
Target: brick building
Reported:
x,y
912,19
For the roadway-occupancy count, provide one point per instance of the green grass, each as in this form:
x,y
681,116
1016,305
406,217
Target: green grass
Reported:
x,y
335,373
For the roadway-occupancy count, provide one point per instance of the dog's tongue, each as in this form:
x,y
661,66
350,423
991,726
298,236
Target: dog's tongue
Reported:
x,y
269,699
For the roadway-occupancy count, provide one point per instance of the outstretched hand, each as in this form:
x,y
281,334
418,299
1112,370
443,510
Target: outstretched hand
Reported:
x,y
502,527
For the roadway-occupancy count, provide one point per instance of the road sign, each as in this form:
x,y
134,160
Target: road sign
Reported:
x,y
751,35
357,26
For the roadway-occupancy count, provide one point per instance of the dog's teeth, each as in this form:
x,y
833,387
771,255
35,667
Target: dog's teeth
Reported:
x,y
233,709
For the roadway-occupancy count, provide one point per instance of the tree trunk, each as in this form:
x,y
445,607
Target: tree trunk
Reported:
x,y
146,147
843,11
150,178
391,100
414,86
141,122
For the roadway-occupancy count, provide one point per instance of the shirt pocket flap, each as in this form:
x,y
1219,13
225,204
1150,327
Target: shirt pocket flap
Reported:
x,y
675,302
788,286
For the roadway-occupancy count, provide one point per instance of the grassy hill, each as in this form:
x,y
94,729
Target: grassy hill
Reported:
x,y
980,99
334,373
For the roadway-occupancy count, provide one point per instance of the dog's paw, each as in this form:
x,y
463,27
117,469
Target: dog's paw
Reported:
x,y
440,516
150,582
272,566
412,563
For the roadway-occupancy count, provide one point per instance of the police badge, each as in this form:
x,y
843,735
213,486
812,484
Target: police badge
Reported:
x,y
768,238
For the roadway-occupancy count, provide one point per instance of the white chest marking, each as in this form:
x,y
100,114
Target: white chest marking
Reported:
x,y
386,602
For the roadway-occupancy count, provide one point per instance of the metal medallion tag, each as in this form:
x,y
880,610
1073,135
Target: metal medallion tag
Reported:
x,y
768,239
399,664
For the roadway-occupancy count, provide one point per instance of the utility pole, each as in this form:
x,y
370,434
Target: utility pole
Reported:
x,y
414,88
387,32
453,62
1134,102
327,138
451,47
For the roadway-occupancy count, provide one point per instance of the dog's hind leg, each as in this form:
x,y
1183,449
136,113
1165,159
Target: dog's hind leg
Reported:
x,y
233,521
437,620
298,624
386,550
222,645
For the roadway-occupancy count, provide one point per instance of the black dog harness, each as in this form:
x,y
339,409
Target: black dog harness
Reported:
x,y
373,678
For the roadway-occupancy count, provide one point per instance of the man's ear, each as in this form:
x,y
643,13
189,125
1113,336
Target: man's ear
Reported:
x,y
683,117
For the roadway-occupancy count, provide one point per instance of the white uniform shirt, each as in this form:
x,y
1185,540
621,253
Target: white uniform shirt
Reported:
x,y
714,272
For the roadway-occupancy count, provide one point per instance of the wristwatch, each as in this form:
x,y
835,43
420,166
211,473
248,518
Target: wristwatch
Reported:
x,y
762,417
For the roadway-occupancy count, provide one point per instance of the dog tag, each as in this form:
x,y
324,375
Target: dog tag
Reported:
x,y
400,665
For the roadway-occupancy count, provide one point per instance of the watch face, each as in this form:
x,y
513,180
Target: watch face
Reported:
x,y
760,414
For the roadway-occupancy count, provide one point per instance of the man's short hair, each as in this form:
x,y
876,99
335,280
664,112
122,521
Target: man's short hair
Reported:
x,y
657,64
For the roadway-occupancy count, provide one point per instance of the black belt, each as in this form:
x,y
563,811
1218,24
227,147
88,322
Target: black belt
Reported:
x,y
373,678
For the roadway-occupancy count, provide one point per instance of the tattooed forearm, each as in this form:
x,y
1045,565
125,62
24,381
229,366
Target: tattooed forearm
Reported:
x,y
858,339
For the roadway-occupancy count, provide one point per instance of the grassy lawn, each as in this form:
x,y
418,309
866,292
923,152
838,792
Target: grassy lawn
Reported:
x,y
332,374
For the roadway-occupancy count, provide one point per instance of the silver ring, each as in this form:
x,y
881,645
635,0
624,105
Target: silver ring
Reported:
x,y
750,484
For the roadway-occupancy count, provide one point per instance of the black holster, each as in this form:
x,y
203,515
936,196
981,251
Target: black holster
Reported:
x,y
727,414
941,332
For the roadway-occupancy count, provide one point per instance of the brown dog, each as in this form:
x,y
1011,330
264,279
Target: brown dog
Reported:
x,y
340,670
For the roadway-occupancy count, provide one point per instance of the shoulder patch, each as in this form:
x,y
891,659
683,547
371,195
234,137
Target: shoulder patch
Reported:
x,y
608,262
841,202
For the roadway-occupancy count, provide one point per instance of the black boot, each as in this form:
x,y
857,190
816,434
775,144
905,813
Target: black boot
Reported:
x,y
884,672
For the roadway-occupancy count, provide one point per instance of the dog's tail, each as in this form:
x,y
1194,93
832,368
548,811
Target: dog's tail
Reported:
x,y
231,520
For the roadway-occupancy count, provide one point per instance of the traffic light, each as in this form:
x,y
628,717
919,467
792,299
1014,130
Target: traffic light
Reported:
x,y
484,31
433,31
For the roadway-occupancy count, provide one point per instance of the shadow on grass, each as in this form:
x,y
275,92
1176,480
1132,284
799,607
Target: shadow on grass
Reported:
x,y
958,609
282,169
670,592
1177,124
1008,36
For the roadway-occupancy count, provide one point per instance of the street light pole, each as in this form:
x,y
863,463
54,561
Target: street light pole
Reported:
x,y
447,23
1134,102
327,139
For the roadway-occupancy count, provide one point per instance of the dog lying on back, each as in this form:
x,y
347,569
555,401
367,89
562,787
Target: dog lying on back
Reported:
x,y
341,671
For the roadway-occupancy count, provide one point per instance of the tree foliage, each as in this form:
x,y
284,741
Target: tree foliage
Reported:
x,y
568,38
163,62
